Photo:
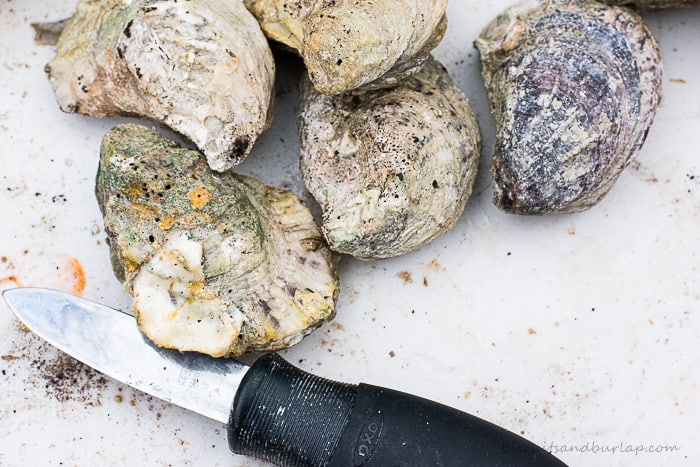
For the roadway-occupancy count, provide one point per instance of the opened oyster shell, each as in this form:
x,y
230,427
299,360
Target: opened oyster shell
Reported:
x,y
347,44
216,263
392,169
573,86
202,67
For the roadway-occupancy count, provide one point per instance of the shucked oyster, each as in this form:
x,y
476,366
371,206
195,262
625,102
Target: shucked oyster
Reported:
x,y
202,67
347,44
391,169
573,86
216,263
654,4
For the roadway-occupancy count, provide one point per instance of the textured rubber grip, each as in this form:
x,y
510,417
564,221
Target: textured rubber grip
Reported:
x,y
292,418
287,416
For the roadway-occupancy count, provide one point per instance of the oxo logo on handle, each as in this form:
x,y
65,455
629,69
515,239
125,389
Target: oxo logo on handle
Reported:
x,y
368,440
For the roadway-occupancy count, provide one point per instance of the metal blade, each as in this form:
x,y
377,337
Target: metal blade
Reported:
x,y
110,341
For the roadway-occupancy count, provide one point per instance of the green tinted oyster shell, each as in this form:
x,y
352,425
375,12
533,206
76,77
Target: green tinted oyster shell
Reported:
x,y
202,67
391,169
216,263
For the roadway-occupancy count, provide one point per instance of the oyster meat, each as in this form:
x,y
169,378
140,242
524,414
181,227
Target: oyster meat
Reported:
x,y
201,67
347,44
573,86
216,263
392,169
654,4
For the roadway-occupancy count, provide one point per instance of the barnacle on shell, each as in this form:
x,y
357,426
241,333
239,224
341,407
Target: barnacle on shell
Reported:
x,y
391,169
346,44
216,263
573,86
202,67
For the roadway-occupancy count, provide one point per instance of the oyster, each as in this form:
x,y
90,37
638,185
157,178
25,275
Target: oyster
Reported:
x,y
573,86
653,4
392,169
347,44
216,263
203,68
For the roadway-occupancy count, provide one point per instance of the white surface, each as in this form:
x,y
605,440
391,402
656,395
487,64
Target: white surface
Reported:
x,y
581,332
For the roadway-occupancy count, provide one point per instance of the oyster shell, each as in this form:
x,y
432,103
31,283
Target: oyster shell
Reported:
x,y
216,263
202,67
392,169
653,4
347,44
573,86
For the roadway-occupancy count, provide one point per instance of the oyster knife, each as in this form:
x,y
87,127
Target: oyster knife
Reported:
x,y
273,410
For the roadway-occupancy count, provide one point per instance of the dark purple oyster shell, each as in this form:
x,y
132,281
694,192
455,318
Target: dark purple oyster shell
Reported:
x,y
573,86
653,4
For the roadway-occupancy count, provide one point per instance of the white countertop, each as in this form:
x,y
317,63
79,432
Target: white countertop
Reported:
x,y
580,332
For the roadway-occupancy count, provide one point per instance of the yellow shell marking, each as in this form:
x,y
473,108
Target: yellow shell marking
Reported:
x,y
199,197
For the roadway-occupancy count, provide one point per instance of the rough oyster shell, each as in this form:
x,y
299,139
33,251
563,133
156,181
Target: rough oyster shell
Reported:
x,y
202,67
392,169
347,44
653,4
216,263
573,86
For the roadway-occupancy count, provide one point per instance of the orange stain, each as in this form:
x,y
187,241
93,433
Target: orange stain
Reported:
x,y
78,275
69,278
10,280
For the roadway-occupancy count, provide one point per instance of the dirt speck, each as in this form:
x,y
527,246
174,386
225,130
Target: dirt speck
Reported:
x,y
531,331
392,354
68,379
434,265
644,171
62,377
405,276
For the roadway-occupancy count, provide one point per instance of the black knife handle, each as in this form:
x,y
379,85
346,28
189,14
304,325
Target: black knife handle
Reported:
x,y
292,418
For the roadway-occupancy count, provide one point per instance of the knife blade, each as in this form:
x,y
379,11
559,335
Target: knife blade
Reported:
x,y
273,410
